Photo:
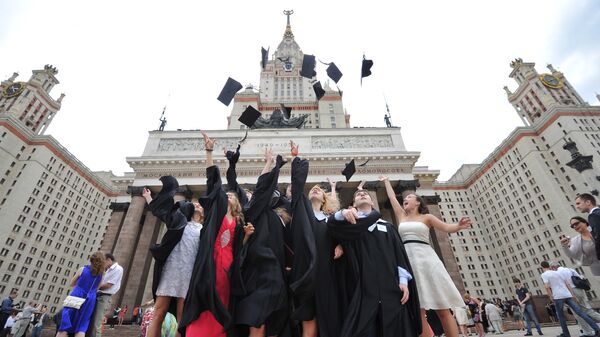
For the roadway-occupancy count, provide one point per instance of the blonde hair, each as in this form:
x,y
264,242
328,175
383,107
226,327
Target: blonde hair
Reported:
x,y
331,202
97,263
236,208
284,215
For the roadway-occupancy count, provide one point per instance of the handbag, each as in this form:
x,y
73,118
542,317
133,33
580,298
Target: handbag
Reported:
x,y
73,302
76,302
580,283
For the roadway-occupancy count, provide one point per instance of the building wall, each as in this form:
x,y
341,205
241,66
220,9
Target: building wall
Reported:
x,y
53,214
521,199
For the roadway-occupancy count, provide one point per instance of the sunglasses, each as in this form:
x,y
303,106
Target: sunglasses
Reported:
x,y
575,224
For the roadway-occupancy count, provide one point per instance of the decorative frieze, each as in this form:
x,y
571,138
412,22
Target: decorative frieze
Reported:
x,y
352,142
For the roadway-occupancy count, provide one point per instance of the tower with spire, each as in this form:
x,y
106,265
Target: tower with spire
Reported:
x,y
30,102
537,93
281,83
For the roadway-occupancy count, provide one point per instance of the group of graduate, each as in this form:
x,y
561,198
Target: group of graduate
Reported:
x,y
259,263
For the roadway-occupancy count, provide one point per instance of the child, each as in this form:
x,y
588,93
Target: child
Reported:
x,y
10,322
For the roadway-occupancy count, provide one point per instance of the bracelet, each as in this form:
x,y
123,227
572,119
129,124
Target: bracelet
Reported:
x,y
208,150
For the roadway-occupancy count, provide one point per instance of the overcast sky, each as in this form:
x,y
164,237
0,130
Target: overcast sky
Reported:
x,y
440,64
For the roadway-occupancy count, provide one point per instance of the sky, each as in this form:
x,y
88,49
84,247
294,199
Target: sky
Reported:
x,y
440,65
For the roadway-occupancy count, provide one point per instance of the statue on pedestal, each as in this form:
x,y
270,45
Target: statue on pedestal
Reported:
x,y
278,120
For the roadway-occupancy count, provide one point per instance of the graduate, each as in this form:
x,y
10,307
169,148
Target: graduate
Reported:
x,y
312,278
382,297
206,310
260,289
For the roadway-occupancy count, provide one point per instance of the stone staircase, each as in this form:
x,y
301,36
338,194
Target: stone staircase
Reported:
x,y
118,331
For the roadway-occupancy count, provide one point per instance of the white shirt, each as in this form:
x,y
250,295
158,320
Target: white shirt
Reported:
x,y
113,275
593,209
557,282
566,274
10,321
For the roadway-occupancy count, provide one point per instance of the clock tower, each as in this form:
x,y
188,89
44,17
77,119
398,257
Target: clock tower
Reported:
x,y
281,83
30,101
537,93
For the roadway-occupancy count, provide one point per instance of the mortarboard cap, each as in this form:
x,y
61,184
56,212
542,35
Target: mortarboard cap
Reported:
x,y
249,116
287,112
349,170
229,90
264,57
334,72
319,92
308,66
366,68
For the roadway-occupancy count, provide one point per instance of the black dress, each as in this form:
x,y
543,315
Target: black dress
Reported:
x,y
373,252
259,288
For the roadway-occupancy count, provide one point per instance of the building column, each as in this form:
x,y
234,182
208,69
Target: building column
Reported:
x,y
128,237
441,244
114,226
139,271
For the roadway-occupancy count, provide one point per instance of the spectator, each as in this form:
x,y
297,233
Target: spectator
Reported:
x,y
517,313
551,310
474,307
494,316
526,303
122,314
586,203
135,314
115,317
111,283
25,319
581,248
7,307
38,322
10,321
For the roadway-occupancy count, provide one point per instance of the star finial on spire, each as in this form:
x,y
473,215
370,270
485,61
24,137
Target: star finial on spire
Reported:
x,y
288,28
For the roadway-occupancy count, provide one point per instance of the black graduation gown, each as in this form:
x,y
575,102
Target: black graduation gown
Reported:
x,y
202,294
371,280
260,290
231,175
175,216
312,279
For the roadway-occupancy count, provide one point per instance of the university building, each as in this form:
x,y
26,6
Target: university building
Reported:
x,y
53,209
521,196
326,139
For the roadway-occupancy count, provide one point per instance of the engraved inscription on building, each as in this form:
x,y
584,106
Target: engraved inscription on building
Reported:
x,y
352,142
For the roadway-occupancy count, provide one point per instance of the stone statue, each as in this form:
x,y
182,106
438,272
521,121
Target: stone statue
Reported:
x,y
278,120
163,122
388,120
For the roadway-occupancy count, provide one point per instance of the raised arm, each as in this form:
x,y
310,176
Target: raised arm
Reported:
x,y
209,145
463,223
147,195
268,161
398,210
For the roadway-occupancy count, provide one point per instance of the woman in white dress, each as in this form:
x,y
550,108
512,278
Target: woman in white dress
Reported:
x,y
435,287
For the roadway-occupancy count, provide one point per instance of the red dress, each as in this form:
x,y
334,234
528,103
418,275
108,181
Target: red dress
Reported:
x,y
206,325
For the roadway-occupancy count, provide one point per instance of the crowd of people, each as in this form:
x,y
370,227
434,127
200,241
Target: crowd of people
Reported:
x,y
263,263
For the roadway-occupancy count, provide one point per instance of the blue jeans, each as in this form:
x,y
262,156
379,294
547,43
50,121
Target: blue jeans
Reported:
x,y
529,315
36,331
577,310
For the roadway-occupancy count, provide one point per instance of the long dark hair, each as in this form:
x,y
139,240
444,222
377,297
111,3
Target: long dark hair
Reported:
x,y
97,263
422,205
580,219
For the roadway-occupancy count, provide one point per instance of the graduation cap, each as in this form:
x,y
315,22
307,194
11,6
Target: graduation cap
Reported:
x,y
334,72
264,57
308,66
249,116
366,68
229,90
287,112
349,170
319,92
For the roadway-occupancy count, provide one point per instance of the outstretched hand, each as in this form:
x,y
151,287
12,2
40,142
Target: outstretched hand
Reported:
x,y
331,183
293,148
209,144
268,154
464,223
350,215
384,178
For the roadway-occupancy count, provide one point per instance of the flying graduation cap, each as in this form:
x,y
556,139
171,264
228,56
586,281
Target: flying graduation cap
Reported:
x,y
366,68
308,66
249,116
349,170
334,72
319,92
264,57
229,90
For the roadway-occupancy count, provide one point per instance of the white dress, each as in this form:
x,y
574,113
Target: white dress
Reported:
x,y
177,271
434,284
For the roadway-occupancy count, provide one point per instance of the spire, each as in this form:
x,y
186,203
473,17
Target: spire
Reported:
x,y
288,28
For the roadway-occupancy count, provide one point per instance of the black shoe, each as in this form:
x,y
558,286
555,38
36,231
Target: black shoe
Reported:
x,y
528,334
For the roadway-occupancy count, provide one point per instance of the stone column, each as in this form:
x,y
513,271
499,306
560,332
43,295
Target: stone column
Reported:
x,y
441,244
128,237
114,226
139,271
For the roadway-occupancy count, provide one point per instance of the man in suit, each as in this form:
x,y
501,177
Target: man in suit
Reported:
x,y
586,203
